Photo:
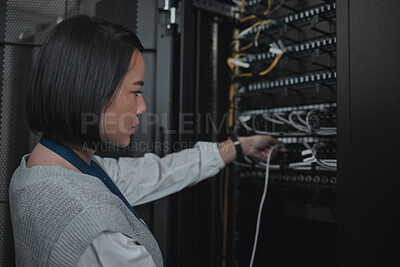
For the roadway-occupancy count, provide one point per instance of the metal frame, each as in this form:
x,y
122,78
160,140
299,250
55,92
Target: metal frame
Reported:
x,y
217,8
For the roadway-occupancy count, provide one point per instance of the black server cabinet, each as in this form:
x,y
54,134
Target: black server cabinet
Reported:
x,y
368,134
365,232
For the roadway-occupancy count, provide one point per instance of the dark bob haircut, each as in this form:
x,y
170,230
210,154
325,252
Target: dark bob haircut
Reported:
x,y
79,67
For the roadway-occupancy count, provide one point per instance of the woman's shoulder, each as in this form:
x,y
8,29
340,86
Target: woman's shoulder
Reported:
x,y
45,182
43,166
42,156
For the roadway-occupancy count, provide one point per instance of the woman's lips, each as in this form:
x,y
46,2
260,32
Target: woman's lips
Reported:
x,y
133,130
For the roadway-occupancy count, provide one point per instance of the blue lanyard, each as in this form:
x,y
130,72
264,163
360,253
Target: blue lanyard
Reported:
x,y
93,169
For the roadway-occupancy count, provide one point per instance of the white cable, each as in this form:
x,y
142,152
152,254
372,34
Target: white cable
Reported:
x,y
330,161
298,126
279,133
299,164
266,133
239,63
275,51
300,119
279,117
245,32
281,46
259,165
326,132
302,168
262,203
304,130
308,146
328,128
308,118
328,164
324,164
268,118
246,158
243,120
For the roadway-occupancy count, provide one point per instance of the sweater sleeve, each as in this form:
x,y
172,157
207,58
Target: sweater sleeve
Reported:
x,y
111,249
149,178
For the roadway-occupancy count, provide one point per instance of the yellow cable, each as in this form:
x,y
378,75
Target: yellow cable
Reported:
x,y
225,220
230,64
268,8
257,23
277,57
236,70
244,75
231,104
275,9
259,29
241,8
246,47
264,72
236,37
247,18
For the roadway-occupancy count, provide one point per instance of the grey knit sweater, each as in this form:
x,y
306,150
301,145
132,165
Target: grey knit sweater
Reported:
x,y
57,212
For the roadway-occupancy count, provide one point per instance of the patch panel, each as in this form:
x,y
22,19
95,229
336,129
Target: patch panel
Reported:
x,y
292,108
293,123
293,19
308,46
298,80
252,3
313,188
325,180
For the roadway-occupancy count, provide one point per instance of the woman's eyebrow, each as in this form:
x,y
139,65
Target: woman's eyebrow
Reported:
x,y
141,83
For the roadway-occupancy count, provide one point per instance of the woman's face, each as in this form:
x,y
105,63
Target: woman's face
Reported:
x,y
119,119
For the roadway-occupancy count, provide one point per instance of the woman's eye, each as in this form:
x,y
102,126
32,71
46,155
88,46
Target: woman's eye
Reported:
x,y
137,93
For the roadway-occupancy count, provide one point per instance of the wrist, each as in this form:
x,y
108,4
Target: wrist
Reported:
x,y
238,147
227,151
245,143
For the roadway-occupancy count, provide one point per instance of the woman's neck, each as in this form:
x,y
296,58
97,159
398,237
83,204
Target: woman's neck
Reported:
x,y
84,153
41,155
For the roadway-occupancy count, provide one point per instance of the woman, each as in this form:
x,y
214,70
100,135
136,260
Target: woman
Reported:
x,y
70,207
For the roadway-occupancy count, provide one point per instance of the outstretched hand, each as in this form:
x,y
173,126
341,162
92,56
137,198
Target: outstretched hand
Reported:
x,y
258,146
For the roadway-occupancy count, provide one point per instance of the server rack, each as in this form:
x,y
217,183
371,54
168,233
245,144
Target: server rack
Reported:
x,y
367,95
361,211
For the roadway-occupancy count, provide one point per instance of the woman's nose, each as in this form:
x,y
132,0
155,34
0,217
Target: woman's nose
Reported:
x,y
141,105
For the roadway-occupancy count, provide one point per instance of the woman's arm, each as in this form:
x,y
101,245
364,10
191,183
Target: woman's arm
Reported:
x,y
149,178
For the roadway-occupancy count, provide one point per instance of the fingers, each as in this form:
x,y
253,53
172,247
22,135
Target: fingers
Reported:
x,y
273,141
269,140
274,153
262,141
260,146
264,153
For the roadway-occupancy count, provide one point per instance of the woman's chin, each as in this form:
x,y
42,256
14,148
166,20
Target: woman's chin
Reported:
x,y
121,143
